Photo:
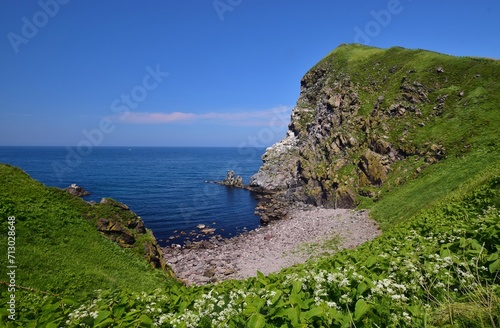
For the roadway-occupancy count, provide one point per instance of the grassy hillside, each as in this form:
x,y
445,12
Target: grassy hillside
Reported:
x,y
369,121
467,126
434,185
58,248
436,264
436,269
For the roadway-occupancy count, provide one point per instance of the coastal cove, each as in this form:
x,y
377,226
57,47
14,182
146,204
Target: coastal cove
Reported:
x,y
165,186
379,208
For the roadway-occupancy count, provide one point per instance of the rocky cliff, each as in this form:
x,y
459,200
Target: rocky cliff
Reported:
x,y
122,226
368,117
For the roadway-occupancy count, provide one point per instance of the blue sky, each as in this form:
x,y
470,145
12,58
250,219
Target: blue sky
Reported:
x,y
196,73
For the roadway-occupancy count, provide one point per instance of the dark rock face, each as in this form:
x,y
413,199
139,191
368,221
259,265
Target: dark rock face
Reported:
x,y
373,168
154,255
77,191
116,232
125,228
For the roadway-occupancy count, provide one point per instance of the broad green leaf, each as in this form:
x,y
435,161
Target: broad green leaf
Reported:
x,y
370,261
296,287
492,257
337,316
53,324
250,309
295,299
476,245
362,287
415,310
276,297
262,278
119,310
101,316
145,321
68,301
314,312
495,266
257,320
254,307
106,323
293,314
175,299
360,309
445,252
50,307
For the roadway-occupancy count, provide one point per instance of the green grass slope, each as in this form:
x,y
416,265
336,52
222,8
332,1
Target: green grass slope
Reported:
x,y
437,269
451,103
58,249
468,128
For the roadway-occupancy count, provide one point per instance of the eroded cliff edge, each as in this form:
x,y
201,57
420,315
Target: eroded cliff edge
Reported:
x,y
368,117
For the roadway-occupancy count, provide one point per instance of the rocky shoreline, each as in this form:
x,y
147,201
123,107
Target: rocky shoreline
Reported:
x,y
305,232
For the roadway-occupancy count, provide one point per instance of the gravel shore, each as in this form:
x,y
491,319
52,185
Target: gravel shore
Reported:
x,y
283,243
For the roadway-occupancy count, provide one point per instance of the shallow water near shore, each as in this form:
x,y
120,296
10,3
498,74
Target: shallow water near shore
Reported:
x,y
165,186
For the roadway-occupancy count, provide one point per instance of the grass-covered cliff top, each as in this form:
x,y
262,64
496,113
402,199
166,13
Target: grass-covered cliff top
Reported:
x,y
470,85
395,130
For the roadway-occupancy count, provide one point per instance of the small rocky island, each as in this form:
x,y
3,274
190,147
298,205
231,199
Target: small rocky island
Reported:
x,y
269,207
232,180
77,191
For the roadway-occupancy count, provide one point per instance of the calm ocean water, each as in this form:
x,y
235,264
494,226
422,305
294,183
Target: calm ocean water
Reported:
x,y
165,186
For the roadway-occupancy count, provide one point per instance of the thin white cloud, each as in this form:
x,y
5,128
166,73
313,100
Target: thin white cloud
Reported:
x,y
278,116
157,118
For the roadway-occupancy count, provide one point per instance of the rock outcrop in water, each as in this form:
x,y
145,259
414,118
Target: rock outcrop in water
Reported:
x,y
232,180
76,190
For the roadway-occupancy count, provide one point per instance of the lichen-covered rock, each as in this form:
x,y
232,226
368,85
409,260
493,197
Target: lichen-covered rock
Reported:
x,y
278,171
118,223
374,168
345,197
116,232
154,254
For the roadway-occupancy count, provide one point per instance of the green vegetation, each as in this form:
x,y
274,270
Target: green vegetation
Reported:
x,y
315,249
439,181
435,269
436,264
58,248
400,111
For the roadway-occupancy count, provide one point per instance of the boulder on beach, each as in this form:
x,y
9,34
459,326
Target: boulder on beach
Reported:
x,y
207,231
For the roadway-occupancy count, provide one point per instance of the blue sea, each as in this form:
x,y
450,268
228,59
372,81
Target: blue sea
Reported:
x,y
166,187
